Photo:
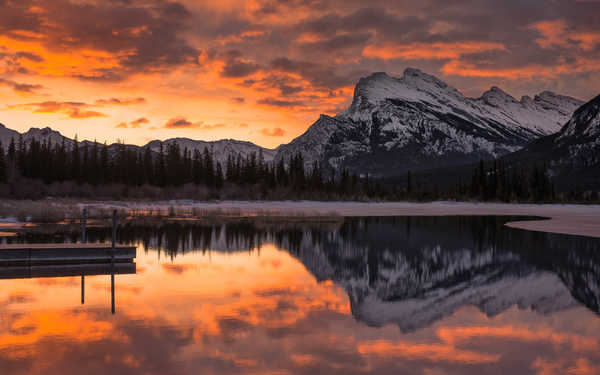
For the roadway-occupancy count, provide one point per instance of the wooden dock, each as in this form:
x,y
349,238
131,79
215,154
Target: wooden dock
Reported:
x,y
66,270
43,254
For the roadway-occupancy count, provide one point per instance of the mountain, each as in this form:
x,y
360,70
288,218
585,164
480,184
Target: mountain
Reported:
x,y
414,123
573,154
7,134
418,122
221,149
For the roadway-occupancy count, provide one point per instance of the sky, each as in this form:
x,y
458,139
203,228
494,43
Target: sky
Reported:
x,y
263,70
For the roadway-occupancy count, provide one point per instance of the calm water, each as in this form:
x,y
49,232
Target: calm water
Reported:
x,y
388,296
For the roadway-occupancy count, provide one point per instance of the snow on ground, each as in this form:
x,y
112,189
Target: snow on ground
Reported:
x,y
567,219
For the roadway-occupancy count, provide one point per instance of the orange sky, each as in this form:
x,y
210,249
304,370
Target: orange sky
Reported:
x,y
264,70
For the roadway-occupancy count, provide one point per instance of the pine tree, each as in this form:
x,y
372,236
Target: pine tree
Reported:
x,y
75,161
3,166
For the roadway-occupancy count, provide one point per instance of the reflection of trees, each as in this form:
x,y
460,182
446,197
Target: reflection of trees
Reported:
x,y
395,257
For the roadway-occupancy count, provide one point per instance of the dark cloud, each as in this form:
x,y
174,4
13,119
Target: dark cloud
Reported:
x,y
235,65
183,123
146,36
274,102
75,110
239,69
133,124
139,122
338,42
22,88
238,100
179,122
118,101
318,44
319,75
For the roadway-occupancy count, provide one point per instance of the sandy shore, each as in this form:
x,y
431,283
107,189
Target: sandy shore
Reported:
x,y
581,220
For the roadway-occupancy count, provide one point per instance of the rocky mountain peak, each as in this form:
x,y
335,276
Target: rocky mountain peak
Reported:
x,y
417,78
497,97
552,101
585,122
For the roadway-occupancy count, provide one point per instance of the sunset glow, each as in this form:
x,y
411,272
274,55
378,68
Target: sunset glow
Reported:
x,y
264,70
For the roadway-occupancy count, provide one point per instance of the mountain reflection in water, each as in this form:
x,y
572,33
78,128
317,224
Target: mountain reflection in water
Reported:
x,y
428,295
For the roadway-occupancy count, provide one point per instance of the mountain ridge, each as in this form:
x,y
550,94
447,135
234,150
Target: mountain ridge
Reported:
x,y
418,121
396,124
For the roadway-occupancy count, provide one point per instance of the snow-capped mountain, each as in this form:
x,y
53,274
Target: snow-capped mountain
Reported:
x,y
221,149
414,122
419,122
572,154
7,134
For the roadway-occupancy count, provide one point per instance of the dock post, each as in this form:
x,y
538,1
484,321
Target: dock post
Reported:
x,y
112,293
112,275
83,224
82,289
114,229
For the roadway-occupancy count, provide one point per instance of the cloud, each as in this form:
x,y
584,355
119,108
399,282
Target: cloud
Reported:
x,y
319,75
239,69
117,101
280,102
75,110
139,122
430,51
133,37
178,123
276,132
133,124
292,54
183,123
21,88
77,113
556,33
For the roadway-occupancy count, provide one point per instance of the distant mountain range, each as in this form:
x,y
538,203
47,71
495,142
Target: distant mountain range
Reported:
x,y
418,123
221,149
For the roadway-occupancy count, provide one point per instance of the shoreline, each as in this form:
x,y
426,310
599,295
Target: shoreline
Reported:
x,y
581,220
571,219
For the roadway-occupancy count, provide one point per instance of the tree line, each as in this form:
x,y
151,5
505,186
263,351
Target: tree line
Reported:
x,y
97,164
251,177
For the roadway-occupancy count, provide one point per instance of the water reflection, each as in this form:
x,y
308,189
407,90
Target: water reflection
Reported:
x,y
381,295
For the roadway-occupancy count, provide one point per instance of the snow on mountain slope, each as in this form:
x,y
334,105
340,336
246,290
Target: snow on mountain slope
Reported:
x,y
221,149
573,154
419,122
46,134
6,135
585,123
543,115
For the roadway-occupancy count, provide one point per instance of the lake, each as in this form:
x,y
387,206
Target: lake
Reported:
x,y
396,295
